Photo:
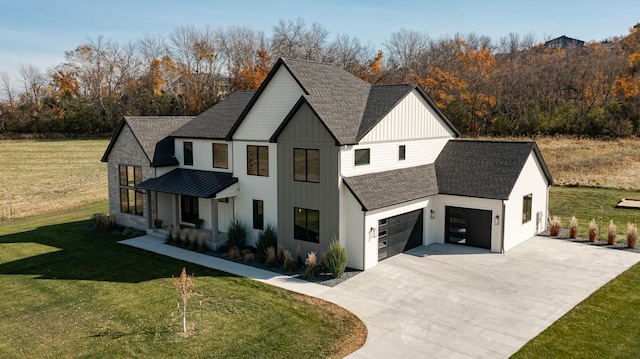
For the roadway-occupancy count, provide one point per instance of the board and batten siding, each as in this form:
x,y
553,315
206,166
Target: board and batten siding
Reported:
x,y
531,181
202,154
384,155
273,105
412,118
305,131
255,187
352,235
127,151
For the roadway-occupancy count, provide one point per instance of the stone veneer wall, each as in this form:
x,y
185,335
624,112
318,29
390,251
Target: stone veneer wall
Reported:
x,y
127,151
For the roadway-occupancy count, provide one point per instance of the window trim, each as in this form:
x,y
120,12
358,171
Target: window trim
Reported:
x,y
368,156
402,152
527,208
306,228
186,144
213,155
306,165
258,159
128,191
258,214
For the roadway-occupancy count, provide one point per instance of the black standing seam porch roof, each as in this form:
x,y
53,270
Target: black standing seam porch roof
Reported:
x,y
196,183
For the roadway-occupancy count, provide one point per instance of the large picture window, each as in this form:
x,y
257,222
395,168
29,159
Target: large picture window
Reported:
x,y
362,156
258,214
258,160
130,199
188,153
527,202
220,155
306,225
306,165
189,208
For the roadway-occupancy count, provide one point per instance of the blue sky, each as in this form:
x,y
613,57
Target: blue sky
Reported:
x,y
40,31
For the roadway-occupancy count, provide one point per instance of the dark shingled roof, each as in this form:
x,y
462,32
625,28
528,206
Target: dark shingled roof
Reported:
x,y
197,183
485,169
217,121
150,132
382,189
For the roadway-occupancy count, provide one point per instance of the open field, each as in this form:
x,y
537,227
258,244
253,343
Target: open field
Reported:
x,y
68,292
39,176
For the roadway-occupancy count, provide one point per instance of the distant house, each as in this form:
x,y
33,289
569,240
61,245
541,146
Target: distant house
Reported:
x,y
322,155
563,42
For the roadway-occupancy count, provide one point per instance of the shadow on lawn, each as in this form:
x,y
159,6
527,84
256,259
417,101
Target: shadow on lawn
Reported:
x,y
80,253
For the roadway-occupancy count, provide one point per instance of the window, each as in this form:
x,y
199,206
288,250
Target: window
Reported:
x,y
258,160
189,208
402,151
306,165
258,214
130,199
220,155
188,153
362,157
526,208
306,225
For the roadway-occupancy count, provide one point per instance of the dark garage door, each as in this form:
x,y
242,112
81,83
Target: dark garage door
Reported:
x,y
468,226
399,233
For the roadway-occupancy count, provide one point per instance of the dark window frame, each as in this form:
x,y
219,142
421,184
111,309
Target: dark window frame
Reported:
x,y
305,233
262,164
131,200
527,205
402,152
258,214
362,156
305,171
187,153
224,165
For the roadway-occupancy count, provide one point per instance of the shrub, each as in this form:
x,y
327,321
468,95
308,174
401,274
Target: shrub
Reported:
x,y
612,235
299,261
237,234
270,260
573,227
311,270
186,234
169,235
593,231
248,257
632,235
233,253
336,259
193,243
556,226
280,253
202,246
288,264
266,238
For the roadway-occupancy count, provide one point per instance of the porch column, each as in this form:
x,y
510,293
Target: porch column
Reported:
x,y
214,219
149,213
175,206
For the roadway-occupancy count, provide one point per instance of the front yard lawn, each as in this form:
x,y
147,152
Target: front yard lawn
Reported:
x,y
69,292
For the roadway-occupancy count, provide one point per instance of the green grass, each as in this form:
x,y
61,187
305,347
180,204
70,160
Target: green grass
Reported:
x,y
607,323
69,292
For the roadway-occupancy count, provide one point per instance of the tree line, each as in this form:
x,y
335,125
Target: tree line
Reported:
x,y
510,86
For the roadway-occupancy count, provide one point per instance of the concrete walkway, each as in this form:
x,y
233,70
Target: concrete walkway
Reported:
x,y
448,301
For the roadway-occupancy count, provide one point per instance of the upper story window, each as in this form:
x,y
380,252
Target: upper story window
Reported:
x,y
402,152
188,153
362,156
130,199
258,160
220,155
527,202
306,165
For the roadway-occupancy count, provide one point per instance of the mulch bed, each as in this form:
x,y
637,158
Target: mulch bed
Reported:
x,y
564,235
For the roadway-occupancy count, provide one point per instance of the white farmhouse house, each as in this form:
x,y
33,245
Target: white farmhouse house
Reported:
x,y
322,155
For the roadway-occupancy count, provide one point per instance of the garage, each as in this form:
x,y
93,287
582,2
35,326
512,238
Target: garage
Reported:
x,y
399,233
468,226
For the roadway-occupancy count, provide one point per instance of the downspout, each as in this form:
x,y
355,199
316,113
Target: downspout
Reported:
x,y
502,228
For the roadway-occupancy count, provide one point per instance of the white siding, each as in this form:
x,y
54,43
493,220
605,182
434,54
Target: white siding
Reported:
x,y
352,229
204,212
384,156
270,109
225,215
202,154
412,118
493,205
255,187
531,181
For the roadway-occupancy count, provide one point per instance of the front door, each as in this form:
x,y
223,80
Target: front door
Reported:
x,y
225,213
188,209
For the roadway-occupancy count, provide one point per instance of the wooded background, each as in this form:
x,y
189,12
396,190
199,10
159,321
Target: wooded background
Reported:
x,y
513,85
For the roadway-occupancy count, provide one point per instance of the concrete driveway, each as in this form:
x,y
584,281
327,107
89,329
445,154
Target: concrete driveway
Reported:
x,y
449,301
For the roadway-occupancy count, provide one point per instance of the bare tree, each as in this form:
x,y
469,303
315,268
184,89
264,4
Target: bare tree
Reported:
x,y
404,49
293,39
33,81
349,53
7,86
514,42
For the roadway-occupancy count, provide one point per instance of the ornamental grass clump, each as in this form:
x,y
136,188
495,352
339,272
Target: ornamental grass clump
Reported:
x,y
311,270
270,260
556,226
613,233
266,238
193,243
202,244
336,259
632,235
299,261
593,231
573,227
288,264
169,235
186,235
